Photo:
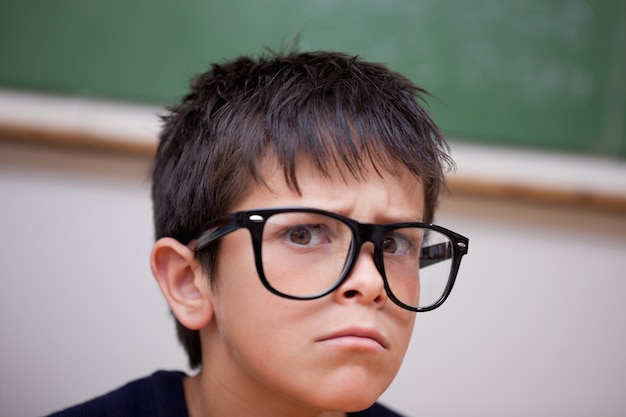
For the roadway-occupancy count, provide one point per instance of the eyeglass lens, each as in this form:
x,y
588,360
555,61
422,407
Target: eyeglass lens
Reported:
x,y
305,254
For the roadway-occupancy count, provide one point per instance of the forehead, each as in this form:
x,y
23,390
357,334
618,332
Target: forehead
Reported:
x,y
372,194
335,167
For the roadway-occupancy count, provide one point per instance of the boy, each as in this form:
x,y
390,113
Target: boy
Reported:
x,y
293,197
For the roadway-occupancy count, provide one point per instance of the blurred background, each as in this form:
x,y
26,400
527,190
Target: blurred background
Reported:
x,y
531,95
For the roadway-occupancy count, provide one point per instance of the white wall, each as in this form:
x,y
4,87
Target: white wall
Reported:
x,y
534,327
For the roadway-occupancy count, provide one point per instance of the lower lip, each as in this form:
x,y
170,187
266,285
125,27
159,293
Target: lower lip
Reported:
x,y
353,343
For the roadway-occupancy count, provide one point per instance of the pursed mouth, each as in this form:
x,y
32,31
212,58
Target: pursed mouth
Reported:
x,y
356,336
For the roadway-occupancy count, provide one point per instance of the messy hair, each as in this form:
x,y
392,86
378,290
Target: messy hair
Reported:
x,y
337,112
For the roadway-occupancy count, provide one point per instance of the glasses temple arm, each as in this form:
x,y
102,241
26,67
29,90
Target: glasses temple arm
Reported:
x,y
211,235
433,254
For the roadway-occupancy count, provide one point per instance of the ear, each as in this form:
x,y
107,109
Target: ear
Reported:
x,y
182,282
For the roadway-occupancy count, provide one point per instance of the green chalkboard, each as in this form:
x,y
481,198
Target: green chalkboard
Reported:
x,y
539,73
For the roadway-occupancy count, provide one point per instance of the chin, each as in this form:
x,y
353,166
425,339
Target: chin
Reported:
x,y
351,404
351,396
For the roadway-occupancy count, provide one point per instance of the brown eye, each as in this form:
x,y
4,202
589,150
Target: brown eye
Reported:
x,y
301,236
390,245
401,242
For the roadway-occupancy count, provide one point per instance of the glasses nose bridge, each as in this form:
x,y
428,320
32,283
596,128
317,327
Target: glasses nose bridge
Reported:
x,y
367,232
364,233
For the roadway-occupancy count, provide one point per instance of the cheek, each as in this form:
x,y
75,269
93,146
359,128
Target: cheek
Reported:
x,y
234,269
237,286
244,309
403,323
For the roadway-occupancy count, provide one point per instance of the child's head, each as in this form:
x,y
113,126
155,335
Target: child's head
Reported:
x,y
247,122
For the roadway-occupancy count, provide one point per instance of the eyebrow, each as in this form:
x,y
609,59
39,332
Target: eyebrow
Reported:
x,y
399,217
389,217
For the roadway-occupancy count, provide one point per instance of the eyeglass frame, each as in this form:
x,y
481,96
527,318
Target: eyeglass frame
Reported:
x,y
254,220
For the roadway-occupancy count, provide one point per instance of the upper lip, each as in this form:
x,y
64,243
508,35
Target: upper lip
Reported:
x,y
358,332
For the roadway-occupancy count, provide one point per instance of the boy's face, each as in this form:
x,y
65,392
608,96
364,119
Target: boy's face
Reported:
x,y
339,352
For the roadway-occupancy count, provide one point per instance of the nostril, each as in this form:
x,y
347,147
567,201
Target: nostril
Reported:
x,y
350,293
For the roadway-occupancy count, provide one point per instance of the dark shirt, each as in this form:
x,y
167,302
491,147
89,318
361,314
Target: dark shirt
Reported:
x,y
160,395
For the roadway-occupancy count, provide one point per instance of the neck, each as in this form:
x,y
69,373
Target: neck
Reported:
x,y
207,397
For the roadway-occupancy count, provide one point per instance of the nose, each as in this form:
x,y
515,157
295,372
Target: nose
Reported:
x,y
364,284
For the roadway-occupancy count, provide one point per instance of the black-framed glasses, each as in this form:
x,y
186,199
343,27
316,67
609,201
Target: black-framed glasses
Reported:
x,y
306,253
